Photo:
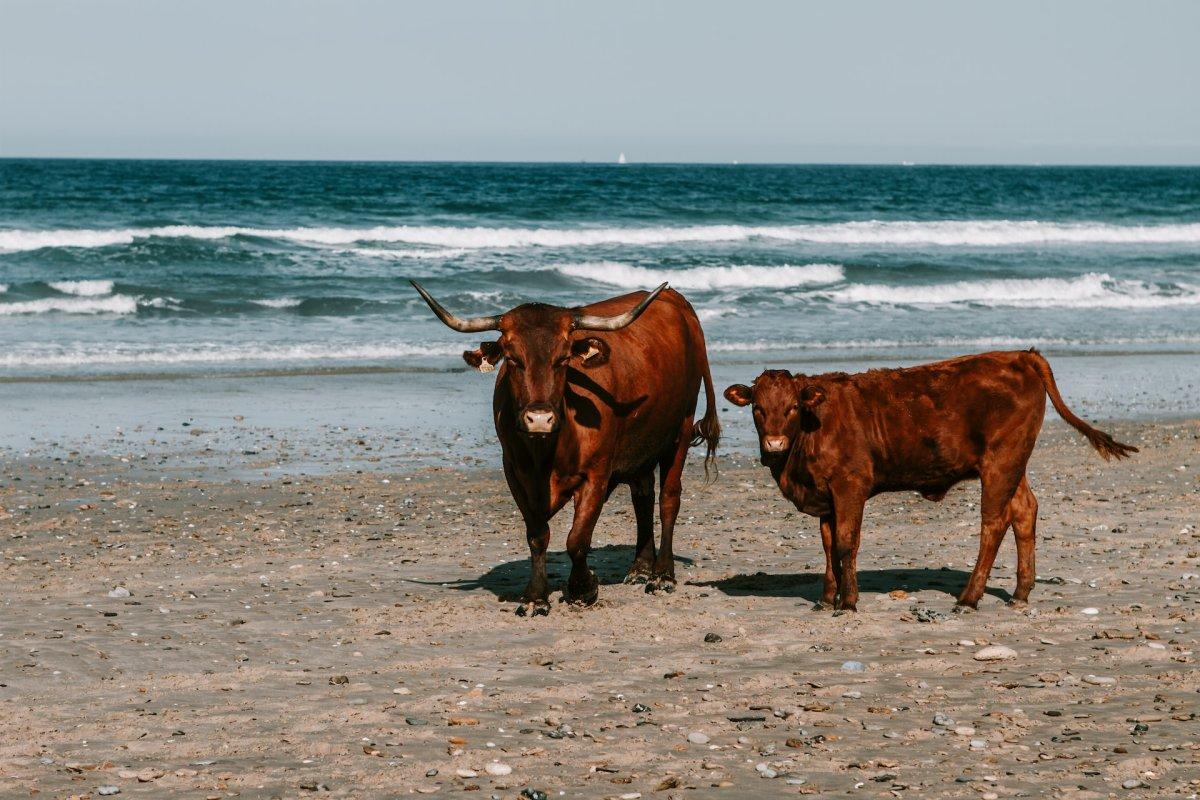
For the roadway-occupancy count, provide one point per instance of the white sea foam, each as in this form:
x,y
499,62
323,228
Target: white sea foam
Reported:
x,y
278,302
1092,290
116,304
941,233
705,278
965,342
212,353
3,288
94,288
401,254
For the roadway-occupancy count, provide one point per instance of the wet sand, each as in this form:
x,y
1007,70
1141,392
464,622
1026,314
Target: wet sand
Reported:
x,y
350,634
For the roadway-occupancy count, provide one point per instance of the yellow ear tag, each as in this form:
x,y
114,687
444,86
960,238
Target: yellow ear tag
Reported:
x,y
486,366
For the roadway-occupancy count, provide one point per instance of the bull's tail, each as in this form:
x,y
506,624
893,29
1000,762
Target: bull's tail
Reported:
x,y
1105,445
708,429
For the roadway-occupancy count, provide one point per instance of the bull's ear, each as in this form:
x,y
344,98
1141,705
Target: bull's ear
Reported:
x,y
591,352
739,394
484,359
812,396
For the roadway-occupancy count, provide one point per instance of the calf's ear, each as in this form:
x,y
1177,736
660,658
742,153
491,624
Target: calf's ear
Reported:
x,y
739,394
591,351
485,358
812,396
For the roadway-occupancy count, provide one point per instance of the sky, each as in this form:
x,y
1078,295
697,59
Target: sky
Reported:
x,y
1070,81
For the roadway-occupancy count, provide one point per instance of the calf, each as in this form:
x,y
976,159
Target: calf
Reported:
x,y
833,441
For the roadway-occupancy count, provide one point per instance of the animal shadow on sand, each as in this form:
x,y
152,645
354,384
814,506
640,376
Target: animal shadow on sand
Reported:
x,y
508,580
807,585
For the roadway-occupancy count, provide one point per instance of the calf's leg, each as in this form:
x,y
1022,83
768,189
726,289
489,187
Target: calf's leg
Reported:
x,y
642,491
830,586
998,489
848,513
582,586
1023,509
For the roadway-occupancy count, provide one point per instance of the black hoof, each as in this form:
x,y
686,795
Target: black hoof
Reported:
x,y
534,608
637,578
821,605
964,608
660,586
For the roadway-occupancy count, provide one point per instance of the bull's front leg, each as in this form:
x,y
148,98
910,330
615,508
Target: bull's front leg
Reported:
x,y
535,601
582,586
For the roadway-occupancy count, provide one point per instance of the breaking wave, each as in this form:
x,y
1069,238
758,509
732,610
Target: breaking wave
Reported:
x,y
212,353
705,278
116,304
93,288
941,233
1092,290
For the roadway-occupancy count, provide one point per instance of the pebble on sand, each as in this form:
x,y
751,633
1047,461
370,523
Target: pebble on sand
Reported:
x,y
107,790
498,769
995,652
696,737
119,591
854,666
1099,680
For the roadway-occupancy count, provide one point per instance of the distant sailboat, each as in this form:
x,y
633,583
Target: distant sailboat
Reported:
x,y
621,159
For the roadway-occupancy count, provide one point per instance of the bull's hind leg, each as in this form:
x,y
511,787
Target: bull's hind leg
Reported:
x,y
582,586
999,486
1023,509
641,489
670,488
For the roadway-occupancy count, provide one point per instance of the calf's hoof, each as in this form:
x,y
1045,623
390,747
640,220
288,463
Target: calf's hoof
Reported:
x,y
660,585
1017,602
822,605
963,607
534,608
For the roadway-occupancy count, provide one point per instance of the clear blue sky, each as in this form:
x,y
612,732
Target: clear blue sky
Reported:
x,y
1066,81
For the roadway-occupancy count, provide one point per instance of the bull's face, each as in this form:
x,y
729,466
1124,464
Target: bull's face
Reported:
x,y
778,399
538,344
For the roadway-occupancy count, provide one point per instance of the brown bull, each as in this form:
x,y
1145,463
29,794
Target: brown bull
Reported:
x,y
586,400
833,441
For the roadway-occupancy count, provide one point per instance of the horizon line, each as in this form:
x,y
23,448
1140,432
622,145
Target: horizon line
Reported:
x,y
614,163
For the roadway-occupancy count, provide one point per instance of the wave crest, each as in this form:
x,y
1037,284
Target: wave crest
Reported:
x,y
705,278
939,233
88,288
1092,290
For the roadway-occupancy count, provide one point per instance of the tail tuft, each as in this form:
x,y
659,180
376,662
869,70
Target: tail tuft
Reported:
x,y
1107,446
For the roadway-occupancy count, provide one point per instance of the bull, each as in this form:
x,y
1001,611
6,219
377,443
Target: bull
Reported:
x,y
587,400
833,441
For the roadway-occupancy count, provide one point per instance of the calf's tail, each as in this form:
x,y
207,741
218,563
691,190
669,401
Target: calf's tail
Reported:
x,y
708,429
1105,445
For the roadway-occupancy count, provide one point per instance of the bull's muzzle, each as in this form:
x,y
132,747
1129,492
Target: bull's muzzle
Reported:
x,y
775,444
539,419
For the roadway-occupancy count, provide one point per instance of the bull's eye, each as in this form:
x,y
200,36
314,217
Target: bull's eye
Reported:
x,y
560,361
794,408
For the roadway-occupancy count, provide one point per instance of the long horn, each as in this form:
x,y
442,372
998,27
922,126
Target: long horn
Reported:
x,y
473,325
589,322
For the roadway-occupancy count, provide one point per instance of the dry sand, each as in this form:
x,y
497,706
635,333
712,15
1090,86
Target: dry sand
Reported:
x,y
352,635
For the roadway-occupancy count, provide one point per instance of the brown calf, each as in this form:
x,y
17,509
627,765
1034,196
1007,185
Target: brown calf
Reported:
x,y
833,441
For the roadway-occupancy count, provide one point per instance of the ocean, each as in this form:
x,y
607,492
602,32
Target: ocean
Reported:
x,y
135,267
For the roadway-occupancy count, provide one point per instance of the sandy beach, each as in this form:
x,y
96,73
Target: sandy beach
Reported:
x,y
201,634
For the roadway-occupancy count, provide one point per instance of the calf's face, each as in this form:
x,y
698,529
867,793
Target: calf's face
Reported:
x,y
779,400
